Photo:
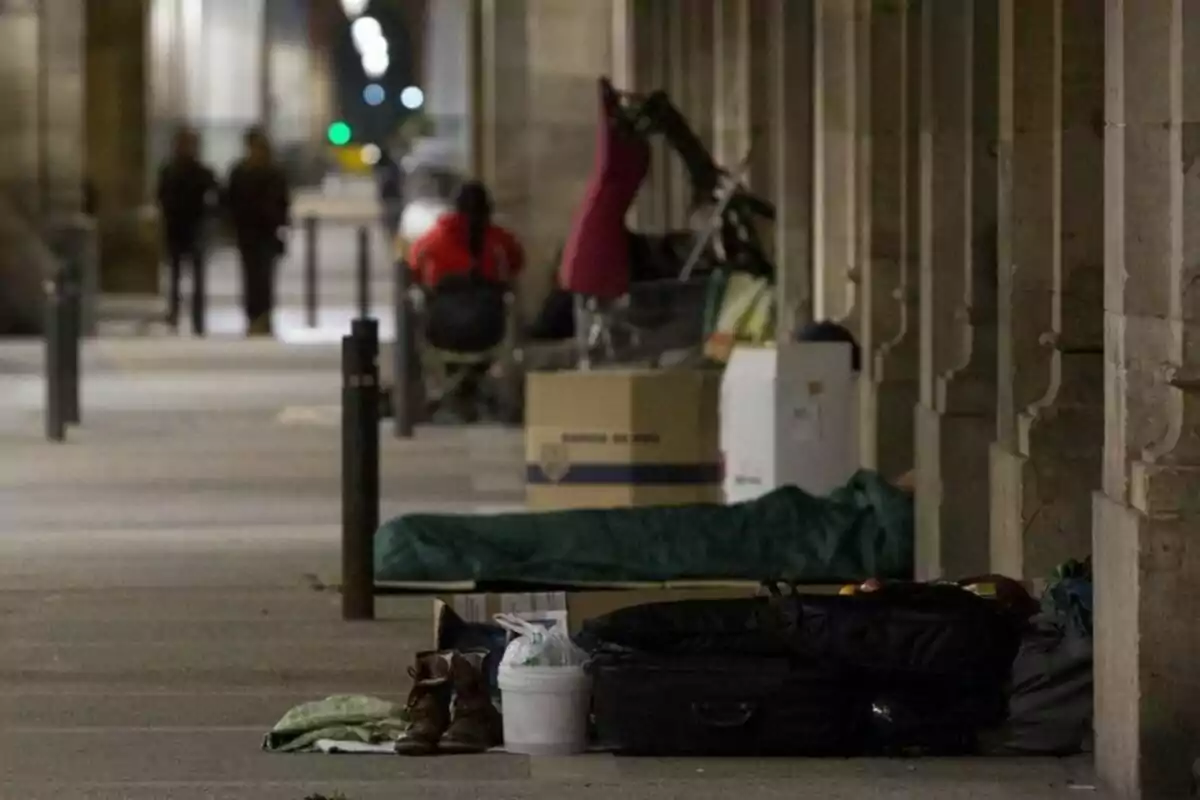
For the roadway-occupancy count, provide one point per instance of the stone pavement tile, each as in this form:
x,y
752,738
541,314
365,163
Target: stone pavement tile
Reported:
x,y
123,604
151,755
242,569
840,782
263,658
1029,773
41,711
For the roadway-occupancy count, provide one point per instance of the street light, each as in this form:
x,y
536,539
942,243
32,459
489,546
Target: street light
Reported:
x,y
366,33
412,98
355,8
376,62
339,134
373,94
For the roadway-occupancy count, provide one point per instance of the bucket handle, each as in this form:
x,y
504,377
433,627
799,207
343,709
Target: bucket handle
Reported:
x,y
521,627
723,715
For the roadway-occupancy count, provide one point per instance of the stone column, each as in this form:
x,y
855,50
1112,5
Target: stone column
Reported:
x,y
791,27
677,56
1147,514
117,148
651,62
855,315
538,69
888,313
731,109
699,35
835,228
570,46
503,146
1047,460
745,86
63,62
41,78
955,419
691,83
451,34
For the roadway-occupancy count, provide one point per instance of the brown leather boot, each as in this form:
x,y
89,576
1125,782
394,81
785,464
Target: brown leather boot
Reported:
x,y
428,704
476,726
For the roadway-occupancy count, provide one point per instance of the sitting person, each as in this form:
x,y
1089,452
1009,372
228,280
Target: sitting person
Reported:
x,y
465,240
465,264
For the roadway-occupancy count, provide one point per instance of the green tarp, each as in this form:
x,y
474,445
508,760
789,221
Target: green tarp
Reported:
x,y
863,530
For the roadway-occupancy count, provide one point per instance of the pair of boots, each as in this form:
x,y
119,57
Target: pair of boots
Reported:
x,y
450,707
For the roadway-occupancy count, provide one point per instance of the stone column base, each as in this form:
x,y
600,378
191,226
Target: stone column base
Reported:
x,y
1147,578
952,494
1040,513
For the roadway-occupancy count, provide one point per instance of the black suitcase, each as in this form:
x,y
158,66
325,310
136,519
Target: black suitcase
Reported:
x,y
724,706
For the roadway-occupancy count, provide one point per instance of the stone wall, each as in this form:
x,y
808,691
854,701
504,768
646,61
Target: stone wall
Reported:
x,y
41,80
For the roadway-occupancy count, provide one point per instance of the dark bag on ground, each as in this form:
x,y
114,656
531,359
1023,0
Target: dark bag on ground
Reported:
x,y
905,630
918,631
1050,706
466,313
724,706
934,718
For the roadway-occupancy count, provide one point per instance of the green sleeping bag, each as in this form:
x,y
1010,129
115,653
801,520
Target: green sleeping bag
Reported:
x,y
863,530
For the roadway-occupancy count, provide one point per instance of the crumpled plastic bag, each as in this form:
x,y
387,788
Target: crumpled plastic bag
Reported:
x,y
535,645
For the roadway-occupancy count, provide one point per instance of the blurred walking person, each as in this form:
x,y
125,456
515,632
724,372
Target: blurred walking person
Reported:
x,y
187,194
258,200
389,179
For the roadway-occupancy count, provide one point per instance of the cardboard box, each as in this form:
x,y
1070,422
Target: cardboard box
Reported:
x,y
580,606
622,437
789,416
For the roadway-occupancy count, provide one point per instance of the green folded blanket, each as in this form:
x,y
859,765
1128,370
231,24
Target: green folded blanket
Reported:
x,y
342,718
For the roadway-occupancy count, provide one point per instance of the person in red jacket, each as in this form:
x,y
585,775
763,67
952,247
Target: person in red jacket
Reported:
x,y
464,237
466,264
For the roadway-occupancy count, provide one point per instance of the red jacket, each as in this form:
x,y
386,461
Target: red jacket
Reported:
x,y
444,250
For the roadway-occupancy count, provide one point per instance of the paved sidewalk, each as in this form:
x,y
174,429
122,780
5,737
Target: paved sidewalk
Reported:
x,y
160,601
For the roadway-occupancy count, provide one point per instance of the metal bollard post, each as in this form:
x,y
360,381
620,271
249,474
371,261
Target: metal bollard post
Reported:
x,y
310,271
404,362
360,467
364,272
56,423
71,311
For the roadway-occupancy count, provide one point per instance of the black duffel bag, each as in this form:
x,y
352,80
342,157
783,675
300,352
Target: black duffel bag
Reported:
x,y
906,631
902,630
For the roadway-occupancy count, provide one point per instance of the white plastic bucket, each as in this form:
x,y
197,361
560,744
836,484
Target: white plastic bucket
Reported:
x,y
545,709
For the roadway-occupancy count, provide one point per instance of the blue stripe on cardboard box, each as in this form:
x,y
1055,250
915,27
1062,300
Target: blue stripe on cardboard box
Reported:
x,y
627,475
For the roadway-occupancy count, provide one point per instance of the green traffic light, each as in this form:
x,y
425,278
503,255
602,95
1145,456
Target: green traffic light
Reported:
x,y
340,134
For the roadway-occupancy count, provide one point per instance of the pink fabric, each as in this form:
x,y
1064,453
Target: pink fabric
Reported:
x,y
596,257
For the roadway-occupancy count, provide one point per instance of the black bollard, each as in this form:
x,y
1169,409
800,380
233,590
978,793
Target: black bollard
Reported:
x,y
406,387
56,423
360,467
310,271
71,310
364,272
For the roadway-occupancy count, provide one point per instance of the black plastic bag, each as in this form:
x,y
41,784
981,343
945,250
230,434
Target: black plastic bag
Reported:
x,y
1051,705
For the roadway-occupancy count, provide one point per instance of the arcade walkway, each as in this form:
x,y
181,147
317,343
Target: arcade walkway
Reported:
x,y
161,600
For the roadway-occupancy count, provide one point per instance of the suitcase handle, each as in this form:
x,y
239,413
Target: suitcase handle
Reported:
x,y
722,715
